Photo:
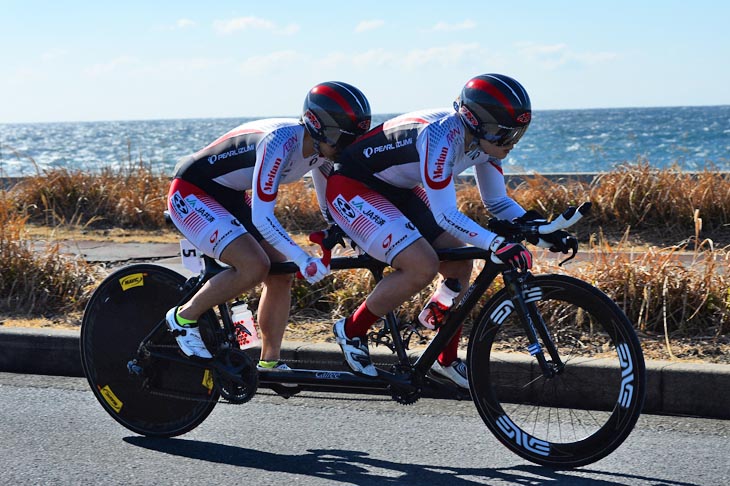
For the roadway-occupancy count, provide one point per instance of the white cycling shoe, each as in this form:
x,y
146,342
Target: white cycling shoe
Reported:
x,y
455,372
355,350
188,338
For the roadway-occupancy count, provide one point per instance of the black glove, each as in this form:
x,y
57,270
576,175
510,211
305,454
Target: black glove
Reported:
x,y
513,254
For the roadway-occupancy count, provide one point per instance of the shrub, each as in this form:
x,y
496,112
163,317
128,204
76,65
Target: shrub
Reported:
x,y
38,281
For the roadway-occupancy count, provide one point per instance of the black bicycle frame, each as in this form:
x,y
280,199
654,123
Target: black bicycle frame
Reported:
x,y
455,318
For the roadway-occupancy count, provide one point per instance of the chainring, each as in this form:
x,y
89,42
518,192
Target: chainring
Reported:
x,y
401,395
241,388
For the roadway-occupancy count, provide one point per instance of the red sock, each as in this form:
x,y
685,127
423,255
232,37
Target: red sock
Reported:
x,y
358,324
449,354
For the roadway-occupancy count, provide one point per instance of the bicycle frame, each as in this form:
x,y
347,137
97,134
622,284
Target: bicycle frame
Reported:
x,y
407,377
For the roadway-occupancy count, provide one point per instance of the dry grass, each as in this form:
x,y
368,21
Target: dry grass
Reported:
x,y
665,290
132,197
38,283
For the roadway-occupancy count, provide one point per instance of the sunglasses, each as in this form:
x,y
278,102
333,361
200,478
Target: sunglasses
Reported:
x,y
500,135
337,138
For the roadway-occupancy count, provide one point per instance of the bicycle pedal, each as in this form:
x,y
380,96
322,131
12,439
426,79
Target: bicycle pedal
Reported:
x,y
284,391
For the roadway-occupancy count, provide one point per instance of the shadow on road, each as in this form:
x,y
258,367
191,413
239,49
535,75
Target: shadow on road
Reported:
x,y
355,467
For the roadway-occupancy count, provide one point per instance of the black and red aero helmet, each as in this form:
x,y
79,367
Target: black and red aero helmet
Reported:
x,y
336,113
495,107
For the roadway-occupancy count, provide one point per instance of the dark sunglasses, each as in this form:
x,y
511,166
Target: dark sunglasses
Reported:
x,y
500,135
337,138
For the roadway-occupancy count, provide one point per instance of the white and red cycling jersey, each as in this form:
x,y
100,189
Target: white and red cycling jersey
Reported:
x,y
379,180
236,179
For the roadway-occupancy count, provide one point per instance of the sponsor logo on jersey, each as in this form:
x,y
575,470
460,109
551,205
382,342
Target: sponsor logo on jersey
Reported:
x,y
435,179
344,209
221,239
199,207
388,239
179,204
370,151
451,136
395,245
290,144
266,191
212,159
368,211
470,234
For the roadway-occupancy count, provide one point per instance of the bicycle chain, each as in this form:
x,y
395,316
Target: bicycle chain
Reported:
x,y
178,396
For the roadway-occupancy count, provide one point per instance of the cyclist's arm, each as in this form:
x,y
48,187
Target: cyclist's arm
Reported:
x,y
493,191
436,167
266,179
319,178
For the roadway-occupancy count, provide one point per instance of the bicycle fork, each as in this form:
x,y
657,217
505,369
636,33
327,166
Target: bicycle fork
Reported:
x,y
524,298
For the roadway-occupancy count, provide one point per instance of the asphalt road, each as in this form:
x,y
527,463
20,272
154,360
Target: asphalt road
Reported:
x,y
53,431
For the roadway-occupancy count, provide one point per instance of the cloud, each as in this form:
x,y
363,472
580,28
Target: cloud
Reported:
x,y
446,27
180,24
553,56
271,62
367,25
228,27
115,65
445,56
184,23
54,54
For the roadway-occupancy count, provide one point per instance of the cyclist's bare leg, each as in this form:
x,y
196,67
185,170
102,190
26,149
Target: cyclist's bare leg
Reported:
x,y
415,267
273,311
249,266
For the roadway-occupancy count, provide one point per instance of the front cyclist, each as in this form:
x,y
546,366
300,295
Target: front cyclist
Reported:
x,y
393,193
222,199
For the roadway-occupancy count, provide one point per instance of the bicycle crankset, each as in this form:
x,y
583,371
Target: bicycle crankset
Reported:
x,y
235,376
404,395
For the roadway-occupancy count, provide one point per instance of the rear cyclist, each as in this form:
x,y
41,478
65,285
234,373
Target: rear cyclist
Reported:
x,y
222,199
393,193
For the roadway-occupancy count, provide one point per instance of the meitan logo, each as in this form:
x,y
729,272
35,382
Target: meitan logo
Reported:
x,y
133,280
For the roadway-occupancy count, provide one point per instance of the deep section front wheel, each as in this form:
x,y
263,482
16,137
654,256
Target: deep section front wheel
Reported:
x,y
588,405
162,398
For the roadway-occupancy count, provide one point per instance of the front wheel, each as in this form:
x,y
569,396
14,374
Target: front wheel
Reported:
x,y
588,407
162,398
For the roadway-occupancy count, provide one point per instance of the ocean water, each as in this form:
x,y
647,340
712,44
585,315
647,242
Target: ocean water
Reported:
x,y
558,141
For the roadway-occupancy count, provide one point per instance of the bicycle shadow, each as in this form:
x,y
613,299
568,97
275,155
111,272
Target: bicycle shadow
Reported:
x,y
358,468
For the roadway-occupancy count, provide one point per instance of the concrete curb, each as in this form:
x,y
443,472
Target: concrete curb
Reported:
x,y
701,390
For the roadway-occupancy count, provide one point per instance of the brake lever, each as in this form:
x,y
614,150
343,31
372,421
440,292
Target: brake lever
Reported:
x,y
573,242
334,236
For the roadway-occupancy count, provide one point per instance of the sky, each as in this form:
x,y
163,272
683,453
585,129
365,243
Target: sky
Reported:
x,y
133,60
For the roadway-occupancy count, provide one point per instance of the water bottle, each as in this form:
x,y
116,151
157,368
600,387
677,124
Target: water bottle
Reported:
x,y
244,326
432,315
